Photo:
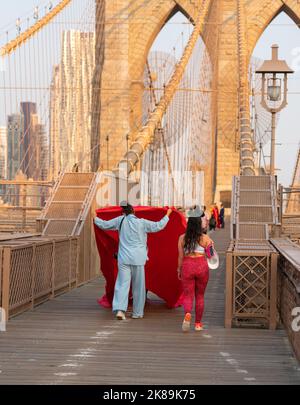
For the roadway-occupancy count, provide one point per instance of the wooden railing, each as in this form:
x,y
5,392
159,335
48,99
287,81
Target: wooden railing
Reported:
x,y
289,212
22,203
33,270
288,287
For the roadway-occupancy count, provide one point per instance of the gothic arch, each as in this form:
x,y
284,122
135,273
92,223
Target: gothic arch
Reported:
x,y
262,16
144,38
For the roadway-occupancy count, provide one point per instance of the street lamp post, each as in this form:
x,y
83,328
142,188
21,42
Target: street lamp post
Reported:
x,y
273,93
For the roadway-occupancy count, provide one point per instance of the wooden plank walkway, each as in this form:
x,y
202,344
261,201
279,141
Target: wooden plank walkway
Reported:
x,y
71,340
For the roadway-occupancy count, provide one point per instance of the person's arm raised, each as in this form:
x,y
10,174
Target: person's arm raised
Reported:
x,y
152,227
112,225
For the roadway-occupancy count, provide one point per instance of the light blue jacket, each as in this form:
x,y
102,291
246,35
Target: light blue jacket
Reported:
x,y
133,236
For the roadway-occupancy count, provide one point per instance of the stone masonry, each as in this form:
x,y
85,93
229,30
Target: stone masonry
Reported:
x,y
130,29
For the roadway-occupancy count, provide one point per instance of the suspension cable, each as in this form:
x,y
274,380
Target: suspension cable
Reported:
x,y
145,135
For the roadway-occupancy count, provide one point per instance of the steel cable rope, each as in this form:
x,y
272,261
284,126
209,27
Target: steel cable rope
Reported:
x,y
39,104
162,130
171,120
24,157
23,17
86,11
25,134
34,29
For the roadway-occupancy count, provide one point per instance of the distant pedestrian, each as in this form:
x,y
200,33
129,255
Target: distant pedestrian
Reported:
x,y
205,221
212,220
222,217
215,213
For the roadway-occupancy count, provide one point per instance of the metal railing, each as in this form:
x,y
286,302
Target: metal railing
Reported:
x,y
289,212
288,298
34,270
251,285
21,203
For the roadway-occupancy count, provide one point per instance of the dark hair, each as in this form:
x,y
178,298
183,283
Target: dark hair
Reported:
x,y
128,210
193,234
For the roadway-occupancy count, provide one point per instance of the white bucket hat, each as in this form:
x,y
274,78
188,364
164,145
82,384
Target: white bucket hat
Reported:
x,y
214,261
194,212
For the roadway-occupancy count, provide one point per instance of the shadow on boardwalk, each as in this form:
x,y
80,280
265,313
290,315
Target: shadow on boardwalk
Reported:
x,y
71,340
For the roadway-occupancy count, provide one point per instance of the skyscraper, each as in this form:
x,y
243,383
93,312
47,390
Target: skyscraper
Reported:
x,y
38,162
70,103
29,138
42,153
15,130
3,152
55,163
3,160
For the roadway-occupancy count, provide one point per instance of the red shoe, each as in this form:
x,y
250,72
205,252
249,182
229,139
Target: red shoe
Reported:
x,y
199,326
186,324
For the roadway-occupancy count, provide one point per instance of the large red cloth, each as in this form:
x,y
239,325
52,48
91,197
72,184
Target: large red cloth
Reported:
x,y
215,213
160,269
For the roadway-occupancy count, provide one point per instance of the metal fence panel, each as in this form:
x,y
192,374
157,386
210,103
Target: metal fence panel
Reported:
x,y
43,270
62,264
33,270
251,285
21,276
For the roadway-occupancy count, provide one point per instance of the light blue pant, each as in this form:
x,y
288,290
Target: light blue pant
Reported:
x,y
127,273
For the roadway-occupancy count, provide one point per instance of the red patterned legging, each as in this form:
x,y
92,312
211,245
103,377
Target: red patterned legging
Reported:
x,y
195,276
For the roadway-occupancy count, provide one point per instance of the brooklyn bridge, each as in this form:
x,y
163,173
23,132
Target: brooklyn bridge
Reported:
x,y
163,103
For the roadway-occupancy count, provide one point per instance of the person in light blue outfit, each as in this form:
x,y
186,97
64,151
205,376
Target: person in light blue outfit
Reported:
x,y
132,256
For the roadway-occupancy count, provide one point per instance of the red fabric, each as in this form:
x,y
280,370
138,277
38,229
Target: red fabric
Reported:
x,y
160,269
216,215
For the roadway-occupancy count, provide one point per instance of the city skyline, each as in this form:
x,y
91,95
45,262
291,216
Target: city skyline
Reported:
x,y
3,152
27,144
71,102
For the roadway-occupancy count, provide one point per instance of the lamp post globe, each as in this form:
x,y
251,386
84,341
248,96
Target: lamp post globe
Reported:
x,y
274,92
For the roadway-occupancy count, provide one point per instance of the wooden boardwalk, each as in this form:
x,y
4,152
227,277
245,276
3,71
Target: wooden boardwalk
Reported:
x,y
71,340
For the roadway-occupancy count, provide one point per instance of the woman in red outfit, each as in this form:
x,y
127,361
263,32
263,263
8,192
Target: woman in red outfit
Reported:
x,y
193,268
216,215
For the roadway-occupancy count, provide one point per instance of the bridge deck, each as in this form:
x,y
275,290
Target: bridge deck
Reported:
x,y
71,340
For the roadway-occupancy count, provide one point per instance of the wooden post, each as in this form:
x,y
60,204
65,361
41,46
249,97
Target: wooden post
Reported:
x,y
77,261
228,291
53,270
273,292
6,280
24,219
70,262
33,273
280,203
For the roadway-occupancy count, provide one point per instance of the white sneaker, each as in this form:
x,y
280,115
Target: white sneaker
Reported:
x,y
121,316
186,324
136,317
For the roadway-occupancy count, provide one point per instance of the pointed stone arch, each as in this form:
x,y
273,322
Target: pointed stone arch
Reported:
x,y
131,27
261,14
143,36
141,39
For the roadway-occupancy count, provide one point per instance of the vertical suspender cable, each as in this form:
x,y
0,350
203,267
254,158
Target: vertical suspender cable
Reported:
x,y
145,135
246,141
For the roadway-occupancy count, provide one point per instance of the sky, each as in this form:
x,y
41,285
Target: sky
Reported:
x,y
282,31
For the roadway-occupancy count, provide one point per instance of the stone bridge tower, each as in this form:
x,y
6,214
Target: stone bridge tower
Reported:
x,y
126,30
